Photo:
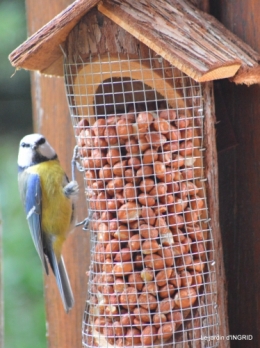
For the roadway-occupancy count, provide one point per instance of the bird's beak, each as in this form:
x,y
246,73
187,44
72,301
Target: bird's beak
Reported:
x,y
33,146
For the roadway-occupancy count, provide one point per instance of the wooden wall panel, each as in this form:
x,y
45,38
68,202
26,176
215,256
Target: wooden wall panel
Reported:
x,y
51,117
239,173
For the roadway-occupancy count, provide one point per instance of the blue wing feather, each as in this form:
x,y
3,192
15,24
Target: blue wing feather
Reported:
x,y
33,208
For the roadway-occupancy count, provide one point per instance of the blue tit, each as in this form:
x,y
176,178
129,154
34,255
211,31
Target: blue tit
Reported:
x,y
47,196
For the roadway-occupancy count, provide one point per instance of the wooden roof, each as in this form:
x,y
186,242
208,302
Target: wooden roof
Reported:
x,y
188,38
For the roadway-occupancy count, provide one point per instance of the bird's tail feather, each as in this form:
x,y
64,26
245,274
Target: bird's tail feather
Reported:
x,y
63,282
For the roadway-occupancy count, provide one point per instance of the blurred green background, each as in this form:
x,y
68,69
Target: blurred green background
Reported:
x,y
24,313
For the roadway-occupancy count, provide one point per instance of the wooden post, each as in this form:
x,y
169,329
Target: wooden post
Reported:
x,y
51,117
239,170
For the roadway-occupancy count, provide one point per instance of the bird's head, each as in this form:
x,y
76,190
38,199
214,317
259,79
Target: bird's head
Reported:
x,y
34,149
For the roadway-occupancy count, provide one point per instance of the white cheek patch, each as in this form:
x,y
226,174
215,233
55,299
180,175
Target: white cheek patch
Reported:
x,y
25,157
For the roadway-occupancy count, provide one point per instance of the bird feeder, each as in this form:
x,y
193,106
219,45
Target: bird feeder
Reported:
x,y
138,81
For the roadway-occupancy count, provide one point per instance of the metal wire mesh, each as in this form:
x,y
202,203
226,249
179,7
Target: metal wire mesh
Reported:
x,y
139,127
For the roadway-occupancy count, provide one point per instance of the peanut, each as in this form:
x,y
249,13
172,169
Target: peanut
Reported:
x,y
124,129
132,337
119,329
134,242
135,279
154,261
146,199
185,298
150,247
150,288
110,135
128,298
149,156
168,114
119,168
148,231
82,124
113,156
167,254
163,276
123,255
156,139
166,330
147,301
122,268
143,120
119,285
165,306
148,215
129,212
186,278
146,185
159,319
159,169
134,162
149,335
166,290
142,314
161,125
122,233
99,127
147,274
132,147
176,317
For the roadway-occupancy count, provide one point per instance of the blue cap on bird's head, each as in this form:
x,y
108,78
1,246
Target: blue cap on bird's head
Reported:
x,y
34,149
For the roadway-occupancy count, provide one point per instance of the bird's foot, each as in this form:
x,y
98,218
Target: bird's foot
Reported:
x,y
71,189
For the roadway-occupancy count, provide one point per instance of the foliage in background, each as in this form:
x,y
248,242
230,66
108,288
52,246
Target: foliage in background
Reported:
x,y
22,272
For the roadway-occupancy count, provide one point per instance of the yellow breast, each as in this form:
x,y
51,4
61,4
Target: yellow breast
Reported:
x,y
56,207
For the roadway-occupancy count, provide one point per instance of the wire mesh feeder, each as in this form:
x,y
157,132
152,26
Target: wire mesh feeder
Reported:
x,y
139,128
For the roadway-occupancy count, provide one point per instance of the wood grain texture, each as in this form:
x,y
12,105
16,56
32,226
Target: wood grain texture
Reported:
x,y
211,162
42,50
239,182
187,38
191,40
51,117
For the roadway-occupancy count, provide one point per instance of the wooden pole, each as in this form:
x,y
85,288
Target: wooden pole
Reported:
x,y
239,170
51,118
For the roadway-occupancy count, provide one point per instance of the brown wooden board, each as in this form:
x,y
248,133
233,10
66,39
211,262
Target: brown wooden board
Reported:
x,y
239,182
191,40
51,117
43,49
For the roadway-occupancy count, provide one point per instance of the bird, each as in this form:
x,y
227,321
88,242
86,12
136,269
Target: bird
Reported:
x,y
48,198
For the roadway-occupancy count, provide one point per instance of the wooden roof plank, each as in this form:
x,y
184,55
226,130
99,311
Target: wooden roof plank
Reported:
x,y
191,40
188,38
42,49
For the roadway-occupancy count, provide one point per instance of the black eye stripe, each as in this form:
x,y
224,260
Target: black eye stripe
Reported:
x,y
40,141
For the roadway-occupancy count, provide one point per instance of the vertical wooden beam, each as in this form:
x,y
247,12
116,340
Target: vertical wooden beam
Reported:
x,y
240,180
51,117
211,163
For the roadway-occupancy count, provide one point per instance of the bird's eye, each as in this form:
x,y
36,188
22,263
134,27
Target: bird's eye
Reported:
x,y
24,145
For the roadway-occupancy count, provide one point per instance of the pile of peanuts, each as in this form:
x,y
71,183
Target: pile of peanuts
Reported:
x,y
149,251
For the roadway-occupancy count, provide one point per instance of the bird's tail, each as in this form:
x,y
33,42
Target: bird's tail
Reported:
x,y
63,282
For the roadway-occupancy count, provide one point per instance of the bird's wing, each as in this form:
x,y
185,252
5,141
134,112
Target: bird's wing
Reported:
x,y
33,208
